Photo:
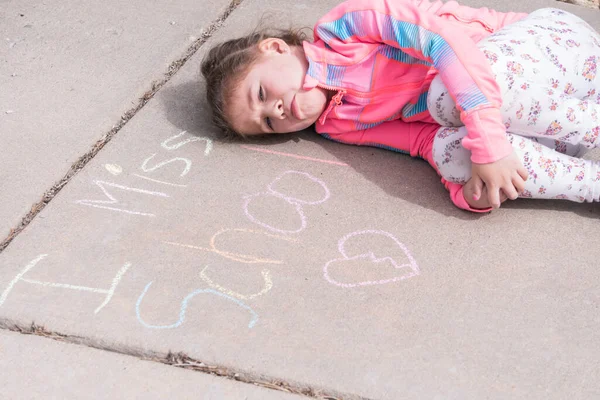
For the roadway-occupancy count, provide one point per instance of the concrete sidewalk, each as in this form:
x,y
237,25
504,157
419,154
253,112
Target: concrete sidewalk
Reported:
x,y
35,367
69,71
264,261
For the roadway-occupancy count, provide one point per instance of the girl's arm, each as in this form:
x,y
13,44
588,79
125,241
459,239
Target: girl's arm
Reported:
x,y
414,138
479,22
415,28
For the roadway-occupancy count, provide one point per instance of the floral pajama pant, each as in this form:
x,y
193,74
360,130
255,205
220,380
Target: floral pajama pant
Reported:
x,y
546,67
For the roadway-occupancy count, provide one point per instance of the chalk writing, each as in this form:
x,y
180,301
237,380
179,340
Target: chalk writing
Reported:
x,y
207,150
326,194
369,256
297,203
242,258
116,169
108,292
113,200
186,169
235,256
266,276
278,153
184,304
157,181
113,169
297,206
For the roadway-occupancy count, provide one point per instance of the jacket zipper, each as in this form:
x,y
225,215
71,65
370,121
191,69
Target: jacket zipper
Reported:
x,y
336,100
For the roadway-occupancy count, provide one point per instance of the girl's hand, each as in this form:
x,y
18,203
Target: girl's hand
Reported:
x,y
505,175
483,201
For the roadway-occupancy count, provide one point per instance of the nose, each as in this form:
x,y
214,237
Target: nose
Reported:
x,y
278,110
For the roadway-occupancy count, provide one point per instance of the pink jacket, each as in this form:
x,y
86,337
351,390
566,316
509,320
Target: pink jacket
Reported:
x,y
381,55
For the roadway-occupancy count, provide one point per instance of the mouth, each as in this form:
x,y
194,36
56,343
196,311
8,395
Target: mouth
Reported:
x,y
295,109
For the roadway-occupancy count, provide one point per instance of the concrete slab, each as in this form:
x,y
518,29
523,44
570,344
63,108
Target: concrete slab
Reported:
x,y
268,258
34,367
68,71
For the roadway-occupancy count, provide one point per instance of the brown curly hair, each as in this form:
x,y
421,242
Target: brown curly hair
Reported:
x,y
227,63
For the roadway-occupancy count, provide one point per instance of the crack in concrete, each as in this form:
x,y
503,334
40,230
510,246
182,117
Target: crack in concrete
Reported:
x,y
155,86
181,360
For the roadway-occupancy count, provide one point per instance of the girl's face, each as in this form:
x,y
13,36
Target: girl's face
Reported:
x,y
270,98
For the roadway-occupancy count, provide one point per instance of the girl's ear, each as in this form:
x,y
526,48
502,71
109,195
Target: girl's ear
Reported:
x,y
274,45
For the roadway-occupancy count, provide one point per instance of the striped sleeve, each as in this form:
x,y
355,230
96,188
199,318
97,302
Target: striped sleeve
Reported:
x,y
420,33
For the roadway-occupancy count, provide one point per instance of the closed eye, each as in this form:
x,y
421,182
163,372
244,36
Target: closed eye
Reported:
x,y
261,97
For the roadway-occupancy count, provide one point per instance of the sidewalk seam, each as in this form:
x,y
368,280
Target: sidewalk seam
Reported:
x,y
82,161
181,360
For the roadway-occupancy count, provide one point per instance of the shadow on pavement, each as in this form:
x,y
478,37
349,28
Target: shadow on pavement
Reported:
x,y
399,175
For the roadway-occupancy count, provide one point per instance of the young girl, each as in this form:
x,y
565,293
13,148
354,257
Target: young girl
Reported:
x,y
500,104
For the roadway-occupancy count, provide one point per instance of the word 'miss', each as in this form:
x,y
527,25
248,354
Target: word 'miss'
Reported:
x,y
184,163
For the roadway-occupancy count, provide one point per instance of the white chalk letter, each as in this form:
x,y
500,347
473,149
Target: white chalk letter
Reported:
x,y
175,146
188,164
108,292
112,200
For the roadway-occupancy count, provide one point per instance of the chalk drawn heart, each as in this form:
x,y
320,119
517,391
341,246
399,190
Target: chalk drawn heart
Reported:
x,y
113,168
409,269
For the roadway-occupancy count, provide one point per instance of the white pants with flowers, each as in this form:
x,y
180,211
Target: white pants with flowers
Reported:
x,y
546,67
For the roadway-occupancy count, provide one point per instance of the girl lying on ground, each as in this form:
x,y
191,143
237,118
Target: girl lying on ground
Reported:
x,y
502,105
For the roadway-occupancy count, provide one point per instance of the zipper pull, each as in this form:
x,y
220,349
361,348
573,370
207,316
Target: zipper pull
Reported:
x,y
338,97
335,101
